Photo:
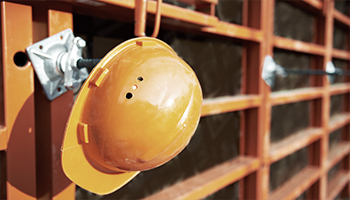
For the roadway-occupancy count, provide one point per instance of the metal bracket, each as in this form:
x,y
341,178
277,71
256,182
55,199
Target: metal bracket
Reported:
x,y
55,62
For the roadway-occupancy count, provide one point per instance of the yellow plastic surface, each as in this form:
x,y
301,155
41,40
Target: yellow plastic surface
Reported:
x,y
137,110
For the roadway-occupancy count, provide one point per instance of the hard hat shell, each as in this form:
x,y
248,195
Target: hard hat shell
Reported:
x,y
137,110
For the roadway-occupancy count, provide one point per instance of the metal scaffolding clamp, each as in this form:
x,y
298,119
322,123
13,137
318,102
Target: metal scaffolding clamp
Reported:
x,y
270,71
55,62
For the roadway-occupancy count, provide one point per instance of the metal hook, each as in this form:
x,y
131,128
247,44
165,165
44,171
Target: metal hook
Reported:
x,y
141,16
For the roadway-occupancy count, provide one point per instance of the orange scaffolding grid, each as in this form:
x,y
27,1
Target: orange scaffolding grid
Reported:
x,y
257,153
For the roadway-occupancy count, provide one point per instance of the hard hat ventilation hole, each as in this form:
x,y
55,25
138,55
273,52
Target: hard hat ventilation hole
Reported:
x,y
140,78
40,47
128,95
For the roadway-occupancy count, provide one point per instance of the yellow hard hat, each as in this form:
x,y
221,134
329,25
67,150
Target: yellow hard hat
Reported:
x,y
137,110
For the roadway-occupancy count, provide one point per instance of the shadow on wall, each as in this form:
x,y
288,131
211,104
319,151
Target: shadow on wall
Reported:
x,y
21,151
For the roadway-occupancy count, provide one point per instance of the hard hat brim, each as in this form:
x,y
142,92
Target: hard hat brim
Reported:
x,y
81,172
74,162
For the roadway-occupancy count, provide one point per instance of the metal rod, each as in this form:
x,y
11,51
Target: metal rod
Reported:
x,y
317,72
308,72
87,63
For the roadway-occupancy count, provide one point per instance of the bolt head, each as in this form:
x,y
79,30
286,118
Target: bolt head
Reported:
x,y
81,43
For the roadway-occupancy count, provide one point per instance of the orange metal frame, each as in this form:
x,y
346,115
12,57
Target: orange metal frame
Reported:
x,y
27,170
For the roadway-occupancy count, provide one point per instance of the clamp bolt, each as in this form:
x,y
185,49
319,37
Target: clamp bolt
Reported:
x,y
80,42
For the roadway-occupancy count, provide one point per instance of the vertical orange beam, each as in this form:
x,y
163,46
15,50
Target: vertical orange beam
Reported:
x,y
52,118
346,137
16,25
346,129
63,188
242,141
255,123
328,42
3,136
267,16
314,150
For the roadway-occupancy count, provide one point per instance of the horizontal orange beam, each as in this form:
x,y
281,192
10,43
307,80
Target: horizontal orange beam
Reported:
x,y
340,17
299,46
337,183
210,181
3,138
337,153
291,96
299,183
314,7
235,31
170,11
315,3
229,104
341,54
338,121
210,24
340,88
293,143
199,1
